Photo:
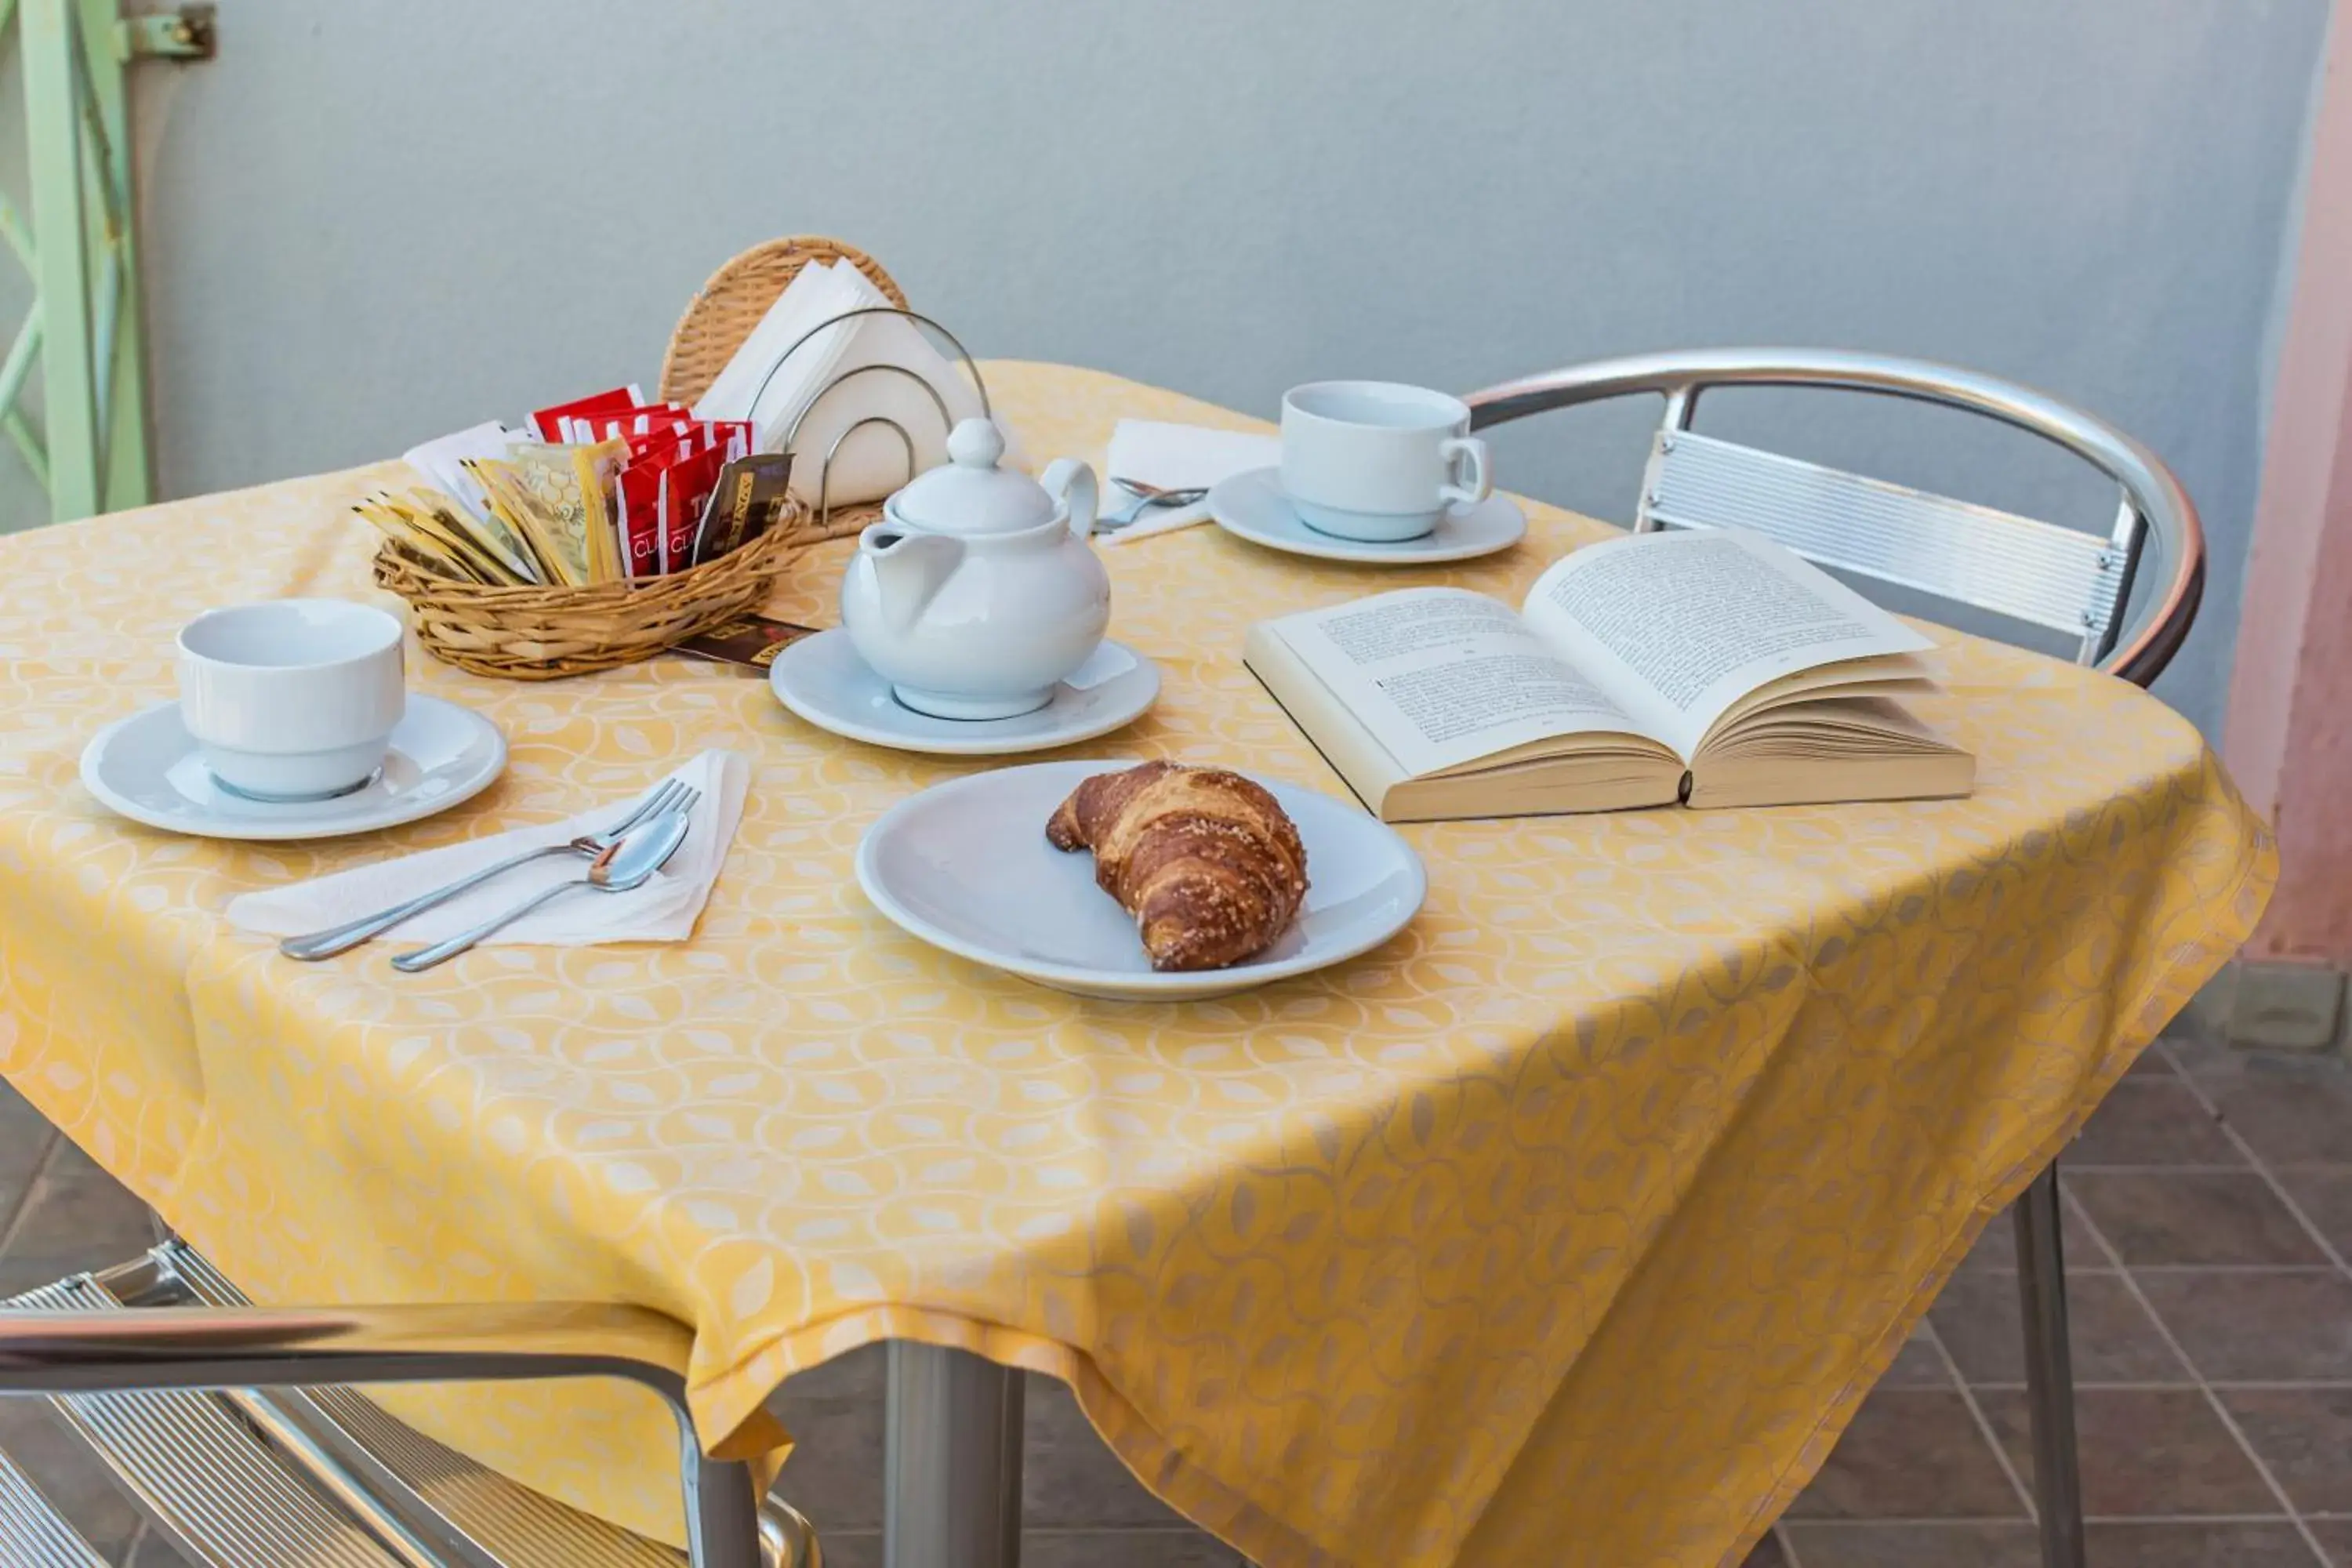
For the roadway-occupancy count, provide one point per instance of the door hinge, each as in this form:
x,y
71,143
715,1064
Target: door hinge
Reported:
x,y
188,33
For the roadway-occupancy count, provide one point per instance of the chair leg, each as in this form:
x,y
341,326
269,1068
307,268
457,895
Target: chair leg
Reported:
x,y
2049,1373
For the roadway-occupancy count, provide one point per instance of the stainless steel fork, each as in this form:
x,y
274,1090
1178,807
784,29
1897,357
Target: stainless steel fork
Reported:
x,y
326,944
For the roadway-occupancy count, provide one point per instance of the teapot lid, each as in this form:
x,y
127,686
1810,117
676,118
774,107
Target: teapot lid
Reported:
x,y
969,493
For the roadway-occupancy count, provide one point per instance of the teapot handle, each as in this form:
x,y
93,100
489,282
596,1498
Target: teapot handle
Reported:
x,y
1068,481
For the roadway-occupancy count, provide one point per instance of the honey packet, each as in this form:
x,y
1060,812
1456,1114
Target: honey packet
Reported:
x,y
554,497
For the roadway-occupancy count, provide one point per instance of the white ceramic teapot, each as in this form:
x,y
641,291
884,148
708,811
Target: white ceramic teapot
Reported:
x,y
979,591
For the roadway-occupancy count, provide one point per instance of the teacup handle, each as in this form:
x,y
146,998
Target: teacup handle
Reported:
x,y
1469,472
1072,483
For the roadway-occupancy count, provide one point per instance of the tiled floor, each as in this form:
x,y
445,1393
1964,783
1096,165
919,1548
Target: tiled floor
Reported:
x,y
2209,1214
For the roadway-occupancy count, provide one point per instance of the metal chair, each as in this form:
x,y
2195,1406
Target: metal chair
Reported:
x,y
228,1424
2060,578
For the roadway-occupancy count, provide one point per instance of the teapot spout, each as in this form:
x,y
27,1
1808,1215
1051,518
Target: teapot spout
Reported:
x,y
909,569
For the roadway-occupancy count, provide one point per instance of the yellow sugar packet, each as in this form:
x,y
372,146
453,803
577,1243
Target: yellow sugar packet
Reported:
x,y
490,532
427,548
555,497
438,523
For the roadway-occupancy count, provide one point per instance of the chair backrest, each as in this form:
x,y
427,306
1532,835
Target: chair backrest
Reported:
x,y
2036,572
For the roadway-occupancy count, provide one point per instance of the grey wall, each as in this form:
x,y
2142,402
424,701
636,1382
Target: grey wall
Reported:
x,y
370,222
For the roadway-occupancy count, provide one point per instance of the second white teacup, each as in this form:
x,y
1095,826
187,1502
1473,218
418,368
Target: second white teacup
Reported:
x,y
1378,460
292,699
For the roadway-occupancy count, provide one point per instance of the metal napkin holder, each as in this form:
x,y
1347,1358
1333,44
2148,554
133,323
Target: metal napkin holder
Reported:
x,y
791,437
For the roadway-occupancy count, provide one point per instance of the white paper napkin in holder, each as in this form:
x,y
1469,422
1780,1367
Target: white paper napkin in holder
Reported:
x,y
839,390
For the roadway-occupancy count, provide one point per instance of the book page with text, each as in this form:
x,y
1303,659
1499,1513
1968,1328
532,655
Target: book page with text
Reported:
x,y
1680,625
1441,676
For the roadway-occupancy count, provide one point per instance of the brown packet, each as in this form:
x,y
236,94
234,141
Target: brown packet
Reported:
x,y
751,495
750,642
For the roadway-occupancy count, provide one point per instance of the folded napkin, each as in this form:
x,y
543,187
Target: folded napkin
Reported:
x,y
1177,457
815,387
664,910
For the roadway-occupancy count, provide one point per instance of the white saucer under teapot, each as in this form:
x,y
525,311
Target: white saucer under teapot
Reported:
x,y
978,591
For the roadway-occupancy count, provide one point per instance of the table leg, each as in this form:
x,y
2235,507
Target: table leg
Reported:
x,y
2049,1373
951,1461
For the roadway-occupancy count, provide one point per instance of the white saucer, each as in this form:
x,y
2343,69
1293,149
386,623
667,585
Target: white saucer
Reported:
x,y
965,866
822,680
146,767
1252,506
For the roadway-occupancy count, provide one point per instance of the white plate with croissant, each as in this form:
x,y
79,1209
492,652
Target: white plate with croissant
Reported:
x,y
1139,882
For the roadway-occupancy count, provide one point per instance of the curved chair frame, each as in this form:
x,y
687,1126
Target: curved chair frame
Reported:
x,y
2156,511
1923,541
247,1348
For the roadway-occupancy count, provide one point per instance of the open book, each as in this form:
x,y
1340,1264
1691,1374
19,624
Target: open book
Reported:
x,y
1711,666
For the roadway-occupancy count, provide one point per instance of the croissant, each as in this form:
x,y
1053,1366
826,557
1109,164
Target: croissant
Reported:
x,y
1205,860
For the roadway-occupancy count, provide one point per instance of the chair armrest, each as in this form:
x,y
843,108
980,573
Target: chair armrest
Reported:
x,y
271,1347
189,1348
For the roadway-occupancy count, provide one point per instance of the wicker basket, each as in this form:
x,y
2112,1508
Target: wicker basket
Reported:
x,y
545,634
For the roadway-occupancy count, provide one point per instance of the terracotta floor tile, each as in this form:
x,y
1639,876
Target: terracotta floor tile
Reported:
x,y
1914,1545
2324,1194
1918,1364
2305,1435
2151,1121
2143,1451
2336,1536
76,1217
2259,1327
1074,1549
834,1414
2297,1114
2195,1217
1910,1454
853,1548
25,1137
2113,1338
1138,1548
2174,1544
2169,1545
1069,1477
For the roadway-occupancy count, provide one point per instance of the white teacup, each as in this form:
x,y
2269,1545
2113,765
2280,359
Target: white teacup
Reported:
x,y
292,699
1377,460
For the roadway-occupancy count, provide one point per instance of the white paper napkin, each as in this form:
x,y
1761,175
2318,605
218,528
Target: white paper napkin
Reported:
x,y
819,390
1177,457
664,910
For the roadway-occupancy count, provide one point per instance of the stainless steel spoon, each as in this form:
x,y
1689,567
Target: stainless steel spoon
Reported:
x,y
317,944
1146,498
628,864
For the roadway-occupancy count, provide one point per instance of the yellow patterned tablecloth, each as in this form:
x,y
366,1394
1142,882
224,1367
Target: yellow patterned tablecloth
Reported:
x,y
1568,1228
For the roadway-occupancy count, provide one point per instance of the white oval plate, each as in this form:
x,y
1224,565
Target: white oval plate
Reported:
x,y
965,866
822,680
1252,506
146,767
